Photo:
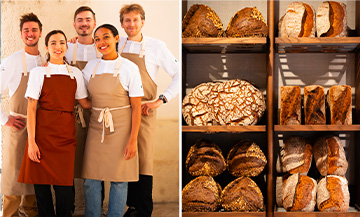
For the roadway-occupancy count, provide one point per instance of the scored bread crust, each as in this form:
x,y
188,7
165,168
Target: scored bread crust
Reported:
x,y
290,105
340,102
331,19
293,19
314,105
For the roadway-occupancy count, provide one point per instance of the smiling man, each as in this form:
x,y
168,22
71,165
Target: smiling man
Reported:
x,y
149,55
18,197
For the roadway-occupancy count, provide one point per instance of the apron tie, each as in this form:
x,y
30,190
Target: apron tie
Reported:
x,y
79,115
17,114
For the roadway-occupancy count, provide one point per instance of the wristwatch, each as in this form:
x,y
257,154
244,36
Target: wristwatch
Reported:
x,y
163,98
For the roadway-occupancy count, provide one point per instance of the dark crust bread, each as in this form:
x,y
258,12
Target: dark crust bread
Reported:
x,y
314,105
290,111
337,15
308,22
339,100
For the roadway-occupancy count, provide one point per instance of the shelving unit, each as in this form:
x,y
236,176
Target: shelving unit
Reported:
x,y
270,53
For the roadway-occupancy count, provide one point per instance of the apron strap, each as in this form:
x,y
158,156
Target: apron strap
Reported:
x,y
24,63
74,54
117,66
95,69
98,54
48,71
142,52
79,115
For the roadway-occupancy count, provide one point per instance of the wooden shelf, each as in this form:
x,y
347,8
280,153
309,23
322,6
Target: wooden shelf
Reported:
x,y
220,214
317,45
352,212
220,129
225,45
296,128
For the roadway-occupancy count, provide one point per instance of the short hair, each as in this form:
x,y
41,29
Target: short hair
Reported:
x,y
30,17
84,8
113,30
133,7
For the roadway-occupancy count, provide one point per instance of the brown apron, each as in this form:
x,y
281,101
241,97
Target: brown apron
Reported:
x,y
15,141
146,138
109,131
54,133
82,118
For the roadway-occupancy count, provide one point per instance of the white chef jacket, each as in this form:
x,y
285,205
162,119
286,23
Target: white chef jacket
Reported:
x,y
85,52
11,72
156,55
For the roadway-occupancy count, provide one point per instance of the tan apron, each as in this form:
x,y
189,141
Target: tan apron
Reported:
x,y
146,138
15,141
109,131
82,118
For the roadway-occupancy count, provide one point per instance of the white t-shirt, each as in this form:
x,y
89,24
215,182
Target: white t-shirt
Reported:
x,y
129,74
37,75
11,72
156,55
85,52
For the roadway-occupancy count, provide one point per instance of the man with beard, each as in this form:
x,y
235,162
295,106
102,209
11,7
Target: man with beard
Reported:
x,y
148,54
18,197
78,54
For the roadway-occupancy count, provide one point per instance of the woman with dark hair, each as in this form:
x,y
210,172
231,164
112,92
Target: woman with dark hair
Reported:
x,y
49,154
115,87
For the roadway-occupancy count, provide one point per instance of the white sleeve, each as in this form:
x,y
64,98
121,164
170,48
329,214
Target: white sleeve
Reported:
x,y
35,83
6,74
81,91
87,73
135,84
169,63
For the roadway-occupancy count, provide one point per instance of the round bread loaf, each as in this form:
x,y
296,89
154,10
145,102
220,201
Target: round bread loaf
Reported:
x,y
333,194
299,193
248,22
242,194
201,21
201,195
329,155
331,20
246,159
296,155
205,159
233,102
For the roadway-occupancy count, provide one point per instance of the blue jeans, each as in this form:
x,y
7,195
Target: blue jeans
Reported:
x,y
117,198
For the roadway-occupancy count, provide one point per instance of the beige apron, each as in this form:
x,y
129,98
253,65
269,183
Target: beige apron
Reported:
x,y
146,138
15,141
109,131
82,118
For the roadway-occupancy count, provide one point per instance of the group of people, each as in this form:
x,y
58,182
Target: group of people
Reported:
x,y
87,111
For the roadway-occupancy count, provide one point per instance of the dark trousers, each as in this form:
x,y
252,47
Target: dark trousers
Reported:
x,y
64,200
140,196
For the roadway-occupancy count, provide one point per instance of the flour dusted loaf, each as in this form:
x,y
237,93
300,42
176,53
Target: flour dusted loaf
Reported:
x,y
296,155
233,102
241,195
246,159
205,159
202,194
299,193
290,105
298,21
314,105
331,19
201,21
339,101
329,155
333,194
248,22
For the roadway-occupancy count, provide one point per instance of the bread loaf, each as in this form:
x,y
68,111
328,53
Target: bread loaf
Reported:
x,y
233,102
329,155
296,155
246,159
299,193
279,191
248,22
242,194
202,194
298,21
290,105
201,21
339,101
333,194
331,19
205,159
314,105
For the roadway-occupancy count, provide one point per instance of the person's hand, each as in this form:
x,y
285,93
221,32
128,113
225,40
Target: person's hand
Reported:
x,y
130,150
34,152
16,122
45,64
146,106
73,40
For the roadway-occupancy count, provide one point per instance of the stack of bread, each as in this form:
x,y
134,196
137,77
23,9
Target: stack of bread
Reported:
x,y
338,99
232,102
299,20
201,21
